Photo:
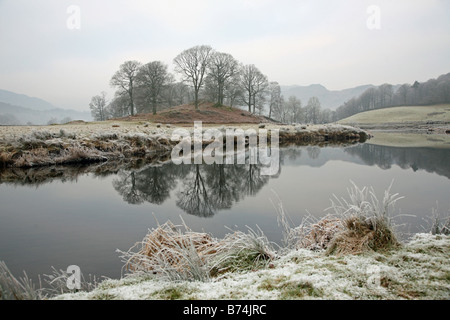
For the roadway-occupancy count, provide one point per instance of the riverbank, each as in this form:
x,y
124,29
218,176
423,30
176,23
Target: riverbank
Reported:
x,y
403,139
80,142
351,253
417,270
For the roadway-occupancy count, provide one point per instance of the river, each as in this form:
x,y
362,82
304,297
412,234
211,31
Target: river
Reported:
x,y
61,216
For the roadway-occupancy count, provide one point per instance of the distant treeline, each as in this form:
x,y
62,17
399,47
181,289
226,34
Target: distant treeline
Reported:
x,y
433,91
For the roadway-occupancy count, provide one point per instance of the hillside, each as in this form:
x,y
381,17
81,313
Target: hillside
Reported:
x,y
207,113
17,115
25,101
19,109
419,114
329,99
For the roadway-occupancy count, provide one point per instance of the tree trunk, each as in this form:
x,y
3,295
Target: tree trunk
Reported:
x,y
154,105
196,98
254,103
130,93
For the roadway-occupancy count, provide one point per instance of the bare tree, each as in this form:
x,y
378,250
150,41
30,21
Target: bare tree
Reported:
x,y
222,68
151,79
280,111
313,110
98,107
233,90
253,83
118,107
192,64
294,110
274,97
180,92
124,79
386,92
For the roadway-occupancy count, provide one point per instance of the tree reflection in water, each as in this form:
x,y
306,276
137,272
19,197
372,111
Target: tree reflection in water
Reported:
x,y
205,189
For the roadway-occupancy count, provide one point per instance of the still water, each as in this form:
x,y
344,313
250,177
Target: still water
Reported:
x,y
81,215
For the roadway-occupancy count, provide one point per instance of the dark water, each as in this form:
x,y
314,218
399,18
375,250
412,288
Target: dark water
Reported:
x,y
81,215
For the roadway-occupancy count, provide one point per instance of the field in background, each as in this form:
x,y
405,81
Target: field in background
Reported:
x,y
423,114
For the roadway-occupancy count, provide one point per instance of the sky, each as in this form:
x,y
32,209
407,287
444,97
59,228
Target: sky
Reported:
x,y
66,52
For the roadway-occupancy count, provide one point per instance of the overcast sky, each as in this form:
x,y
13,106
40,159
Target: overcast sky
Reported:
x,y
339,44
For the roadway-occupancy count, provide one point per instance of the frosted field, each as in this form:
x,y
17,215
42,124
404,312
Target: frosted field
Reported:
x,y
401,114
419,270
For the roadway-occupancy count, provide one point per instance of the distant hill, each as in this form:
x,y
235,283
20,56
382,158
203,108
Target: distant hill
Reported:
x,y
25,101
19,109
328,99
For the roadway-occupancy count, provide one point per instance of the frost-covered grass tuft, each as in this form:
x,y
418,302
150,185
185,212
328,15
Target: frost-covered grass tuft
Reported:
x,y
357,224
439,225
168,252
176,253
12,288
240,251
56,283
23,288
366,222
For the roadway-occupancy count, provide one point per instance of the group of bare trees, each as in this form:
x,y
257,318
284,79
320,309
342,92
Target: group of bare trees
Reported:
x,y
433,91
205,74
292,110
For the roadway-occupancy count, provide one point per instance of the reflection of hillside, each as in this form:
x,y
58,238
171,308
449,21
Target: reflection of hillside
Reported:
x,y
428,159
313,156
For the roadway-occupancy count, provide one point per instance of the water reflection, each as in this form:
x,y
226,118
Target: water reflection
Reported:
x,y
434,160
152,184
202,189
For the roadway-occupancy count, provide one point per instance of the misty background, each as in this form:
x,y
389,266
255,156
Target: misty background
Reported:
x,y
51,65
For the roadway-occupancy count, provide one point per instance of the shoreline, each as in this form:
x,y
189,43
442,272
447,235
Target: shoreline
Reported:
x,y
38,146
418,270
423,127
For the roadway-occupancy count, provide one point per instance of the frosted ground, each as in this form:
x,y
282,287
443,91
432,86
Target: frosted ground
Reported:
x,y
418,270
31,146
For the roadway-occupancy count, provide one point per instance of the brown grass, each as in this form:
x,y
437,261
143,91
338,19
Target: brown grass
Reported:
x,y
207,113
6,159
320,234
360,236
165,247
